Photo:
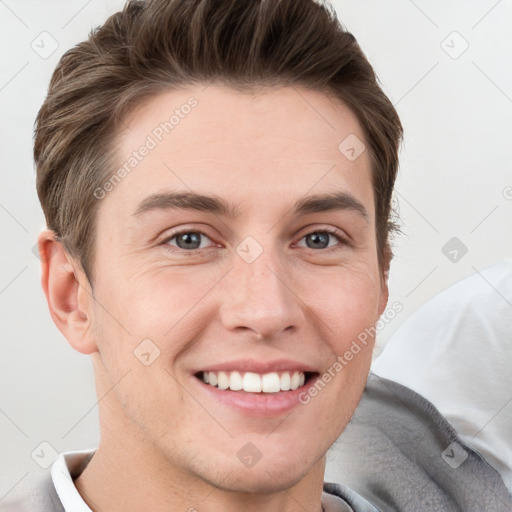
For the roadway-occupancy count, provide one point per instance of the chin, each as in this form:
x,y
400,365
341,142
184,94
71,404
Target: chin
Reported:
x,y
263,482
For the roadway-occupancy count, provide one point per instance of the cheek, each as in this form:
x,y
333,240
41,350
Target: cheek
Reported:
x,y
346,301
169,303
161,303
135,305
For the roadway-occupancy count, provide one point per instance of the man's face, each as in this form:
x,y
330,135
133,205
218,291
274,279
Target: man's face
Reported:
x,y
265,291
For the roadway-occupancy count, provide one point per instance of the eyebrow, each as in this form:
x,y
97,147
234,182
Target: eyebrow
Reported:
x,y
335,201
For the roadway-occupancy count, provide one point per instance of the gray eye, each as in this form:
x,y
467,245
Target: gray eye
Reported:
x,y
183,242
188,240
318,240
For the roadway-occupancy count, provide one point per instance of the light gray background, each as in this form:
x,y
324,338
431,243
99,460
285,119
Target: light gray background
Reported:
x,y
455,180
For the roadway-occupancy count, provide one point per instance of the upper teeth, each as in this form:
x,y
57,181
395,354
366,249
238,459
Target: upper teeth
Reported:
x,y
254,382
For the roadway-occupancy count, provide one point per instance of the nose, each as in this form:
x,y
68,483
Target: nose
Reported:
x,y
258,298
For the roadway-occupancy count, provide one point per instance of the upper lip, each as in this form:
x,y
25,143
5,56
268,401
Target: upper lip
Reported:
x,y
254,366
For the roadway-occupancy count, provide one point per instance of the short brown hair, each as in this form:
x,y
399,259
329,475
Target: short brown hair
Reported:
x,y
158,45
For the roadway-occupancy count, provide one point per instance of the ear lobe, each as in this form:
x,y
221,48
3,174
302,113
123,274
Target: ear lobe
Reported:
x,y
61,280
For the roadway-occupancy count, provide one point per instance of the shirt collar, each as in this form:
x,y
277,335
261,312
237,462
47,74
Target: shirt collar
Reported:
x,y
65,469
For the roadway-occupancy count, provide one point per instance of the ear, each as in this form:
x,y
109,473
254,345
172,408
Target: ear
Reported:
x,y
67,292
384,292
384,275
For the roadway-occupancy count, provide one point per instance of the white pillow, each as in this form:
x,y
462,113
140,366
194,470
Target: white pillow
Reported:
x,y
456,351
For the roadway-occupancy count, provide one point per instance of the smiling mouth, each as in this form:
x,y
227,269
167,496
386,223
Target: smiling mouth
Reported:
x,y
250,382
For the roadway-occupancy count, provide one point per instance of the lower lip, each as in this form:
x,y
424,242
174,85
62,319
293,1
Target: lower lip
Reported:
x,y
260,404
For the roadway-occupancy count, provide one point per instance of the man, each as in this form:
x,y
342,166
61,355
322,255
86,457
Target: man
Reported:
x,y
216,179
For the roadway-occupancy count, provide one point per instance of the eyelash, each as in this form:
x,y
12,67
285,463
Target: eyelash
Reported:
x,y
333,232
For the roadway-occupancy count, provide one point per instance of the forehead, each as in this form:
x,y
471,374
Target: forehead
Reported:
x,y
278,142
214,118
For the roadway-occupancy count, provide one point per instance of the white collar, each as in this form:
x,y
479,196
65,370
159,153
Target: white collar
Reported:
x,y
65,469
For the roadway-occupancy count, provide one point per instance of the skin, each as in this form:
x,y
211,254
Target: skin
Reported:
x,y
262,152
